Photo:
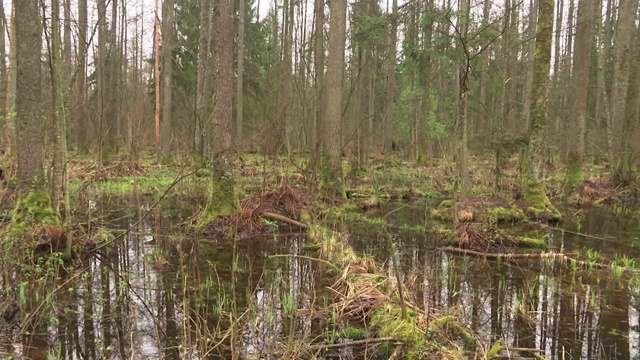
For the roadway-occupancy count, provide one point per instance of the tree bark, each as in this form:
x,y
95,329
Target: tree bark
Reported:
x,y
575,172
80,118
535,190
622,171
332,185
29,121
222,200
240,79
389,119
167,77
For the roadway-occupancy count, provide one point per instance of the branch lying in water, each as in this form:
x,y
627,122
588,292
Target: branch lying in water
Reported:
x,y
508,256
351,343
284,219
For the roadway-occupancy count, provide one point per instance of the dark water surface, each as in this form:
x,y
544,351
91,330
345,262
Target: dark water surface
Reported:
x,y
160,295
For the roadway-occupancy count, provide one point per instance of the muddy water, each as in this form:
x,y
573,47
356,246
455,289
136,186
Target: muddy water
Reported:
x,y
160,295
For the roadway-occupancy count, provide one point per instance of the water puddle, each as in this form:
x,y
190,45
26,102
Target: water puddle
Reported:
x,y
161,295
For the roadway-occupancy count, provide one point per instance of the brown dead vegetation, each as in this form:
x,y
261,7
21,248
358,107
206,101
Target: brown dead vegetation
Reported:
x,y
282,206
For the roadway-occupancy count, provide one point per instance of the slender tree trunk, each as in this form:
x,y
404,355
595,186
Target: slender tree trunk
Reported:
x,y
29,122
156,70
389,126
575,172
240,79
167,77
332,185
12,81
462,130
535,190
80,120
203,90
317,133
102,79
3,77
533,19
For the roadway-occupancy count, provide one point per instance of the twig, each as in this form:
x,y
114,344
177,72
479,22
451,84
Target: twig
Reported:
x,y
306,258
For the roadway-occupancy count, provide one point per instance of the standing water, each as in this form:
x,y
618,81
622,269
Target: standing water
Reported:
x,y
156,294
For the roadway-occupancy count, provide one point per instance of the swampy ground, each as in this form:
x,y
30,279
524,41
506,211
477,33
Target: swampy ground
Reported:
x,y
390,273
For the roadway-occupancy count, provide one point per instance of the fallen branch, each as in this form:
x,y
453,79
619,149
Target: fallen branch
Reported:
x,y
508,256
351,343
284,219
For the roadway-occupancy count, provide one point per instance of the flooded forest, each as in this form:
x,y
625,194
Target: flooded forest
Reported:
x,y
319,179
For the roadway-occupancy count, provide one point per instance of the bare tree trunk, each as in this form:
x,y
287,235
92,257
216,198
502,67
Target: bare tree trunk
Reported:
x,y
167,76
29,122
203,91
575,172
222,200
535,190
101,78
156,70
80,118
332,185
622,171
3,77
533,19
389,126
240,79
11,79
462,130
317,133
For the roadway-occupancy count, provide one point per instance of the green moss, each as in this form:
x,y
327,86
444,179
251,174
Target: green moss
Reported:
x,y
35,208
503,214
574,175
353,333
495,349
453,328
532,242
389,323
539,205
222,201
446,203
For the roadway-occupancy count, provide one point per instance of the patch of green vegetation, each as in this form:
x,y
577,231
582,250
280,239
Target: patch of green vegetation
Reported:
x,y
454,329
32,209
503,214
539,205
494,350
353,333
574,176
532,242
389,322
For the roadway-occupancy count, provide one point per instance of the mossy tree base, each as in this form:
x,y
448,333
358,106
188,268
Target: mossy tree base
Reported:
x,y
331,180
222,200
34,222
538,205
574,176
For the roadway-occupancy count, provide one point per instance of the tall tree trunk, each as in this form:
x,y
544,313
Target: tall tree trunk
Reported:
x,y
622,170
80,118
29,122
535,190
156,69
3,77
11,78
167,77
203,86
462,130
389,119
332,185
575,172
101,67
317,133
240,79
222,195
533,19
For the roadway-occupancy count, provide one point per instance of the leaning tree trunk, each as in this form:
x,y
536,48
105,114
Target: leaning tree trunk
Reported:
x,y
167,77
332,185
535,194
